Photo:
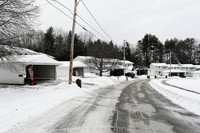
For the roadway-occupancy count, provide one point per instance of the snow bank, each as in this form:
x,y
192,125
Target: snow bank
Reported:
x,y
189,83
19,105
187,100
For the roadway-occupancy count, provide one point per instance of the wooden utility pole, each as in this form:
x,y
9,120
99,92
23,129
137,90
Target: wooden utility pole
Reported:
x,y
72,44
170,74
124,56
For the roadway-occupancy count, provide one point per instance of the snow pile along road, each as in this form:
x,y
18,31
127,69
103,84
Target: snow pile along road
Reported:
x,y
189,100
19,105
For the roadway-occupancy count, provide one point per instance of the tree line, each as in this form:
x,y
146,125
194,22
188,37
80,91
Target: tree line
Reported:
x,y
56,42
148,50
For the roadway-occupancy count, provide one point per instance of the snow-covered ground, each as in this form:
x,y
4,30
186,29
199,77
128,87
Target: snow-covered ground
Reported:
x,y
20,104
186,99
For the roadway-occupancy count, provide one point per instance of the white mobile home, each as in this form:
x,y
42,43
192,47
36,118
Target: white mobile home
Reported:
x,y
164,69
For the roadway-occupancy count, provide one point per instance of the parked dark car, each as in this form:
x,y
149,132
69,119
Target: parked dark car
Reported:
x,y
130,74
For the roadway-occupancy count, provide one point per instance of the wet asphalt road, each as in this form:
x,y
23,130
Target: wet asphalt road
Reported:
x,y
143,110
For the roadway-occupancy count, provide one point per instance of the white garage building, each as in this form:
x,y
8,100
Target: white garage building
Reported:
x,y
15,71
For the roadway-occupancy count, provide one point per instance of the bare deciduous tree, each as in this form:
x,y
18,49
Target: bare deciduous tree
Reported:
x,y
103,57
16,18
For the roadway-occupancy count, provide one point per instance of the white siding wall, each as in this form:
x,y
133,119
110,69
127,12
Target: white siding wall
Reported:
x,y
9,75
157,70
62,71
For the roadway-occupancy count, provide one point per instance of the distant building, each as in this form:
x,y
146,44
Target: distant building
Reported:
x,y
78,67
164,69
196,74
118,64
197,58
16,71
197,67
14,68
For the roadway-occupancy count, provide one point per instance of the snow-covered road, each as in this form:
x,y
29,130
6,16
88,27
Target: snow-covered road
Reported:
x,y
86,114
22,104
141,109
57,107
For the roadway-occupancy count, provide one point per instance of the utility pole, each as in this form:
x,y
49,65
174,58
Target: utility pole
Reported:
x,y
170,63
124,56
72,44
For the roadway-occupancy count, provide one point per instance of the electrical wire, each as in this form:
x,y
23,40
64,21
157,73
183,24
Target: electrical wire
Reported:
x,y
71,19
95,19
81,19
79,2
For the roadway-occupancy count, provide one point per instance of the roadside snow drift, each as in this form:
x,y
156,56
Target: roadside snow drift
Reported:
x,y
186,99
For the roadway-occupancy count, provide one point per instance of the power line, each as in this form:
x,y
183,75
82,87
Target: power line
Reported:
x,y
45,4
64,6
79,2
71,19
60,10
95,20
81,19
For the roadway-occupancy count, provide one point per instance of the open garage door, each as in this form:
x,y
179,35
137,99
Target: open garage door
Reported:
x,y
42,71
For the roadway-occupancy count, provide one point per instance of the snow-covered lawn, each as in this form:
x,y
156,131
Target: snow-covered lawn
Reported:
x,y
19,104
186,99
192,84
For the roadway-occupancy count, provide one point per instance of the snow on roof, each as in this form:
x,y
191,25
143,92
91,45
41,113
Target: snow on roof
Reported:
x,y
174,71
126,62
75,64
181,65
27,56
83,57
41,59
159,64
172,65
38,60
187,65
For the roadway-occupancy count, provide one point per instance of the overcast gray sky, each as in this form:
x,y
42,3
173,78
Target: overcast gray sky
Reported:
x,y
129,19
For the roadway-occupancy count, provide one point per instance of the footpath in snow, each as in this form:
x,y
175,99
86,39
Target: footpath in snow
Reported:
x,y
20,104
189,100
